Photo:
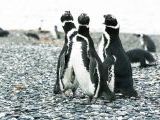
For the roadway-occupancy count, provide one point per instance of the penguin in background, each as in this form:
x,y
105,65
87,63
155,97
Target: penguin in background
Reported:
x,y
65,74
146,42
87,65
110,45
141,56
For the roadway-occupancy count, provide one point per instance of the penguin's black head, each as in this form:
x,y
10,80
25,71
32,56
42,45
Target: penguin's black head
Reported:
x,y
110,20
83,19
66,16
137,35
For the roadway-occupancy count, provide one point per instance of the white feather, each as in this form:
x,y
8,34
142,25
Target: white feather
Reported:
x,y
145,47
82,75
67,79
79,35
84,25
64,22
147,62
100,48
111,84
69,34
114,58
114,27
108,40
141,39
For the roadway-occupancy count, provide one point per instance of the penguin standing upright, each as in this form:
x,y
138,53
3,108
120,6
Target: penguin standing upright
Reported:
x,y
87,65
146,42
65,74
141,56
110,45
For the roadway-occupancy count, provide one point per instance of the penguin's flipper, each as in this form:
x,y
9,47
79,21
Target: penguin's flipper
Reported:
x,y
93,70
98,79
60,69
108,61
62,66
143,63
109,70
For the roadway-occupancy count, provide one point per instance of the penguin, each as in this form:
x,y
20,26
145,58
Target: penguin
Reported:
x,y
110,45
65,74
4,33
141,56
146,42
87,65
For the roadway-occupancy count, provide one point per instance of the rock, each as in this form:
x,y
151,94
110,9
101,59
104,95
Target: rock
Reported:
x,y
13,119
2,114
27,78
25,117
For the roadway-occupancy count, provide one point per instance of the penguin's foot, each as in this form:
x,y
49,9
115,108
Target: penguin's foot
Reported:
x,y
129,93
147,65
74,93
141,66
110,96
152,64
91,100
94,100
57,90
82,96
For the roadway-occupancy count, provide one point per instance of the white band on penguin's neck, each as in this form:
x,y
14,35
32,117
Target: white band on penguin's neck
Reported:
x,y
64,22
141,35
108,39
71,32
114,27
85,38
114,58
84,25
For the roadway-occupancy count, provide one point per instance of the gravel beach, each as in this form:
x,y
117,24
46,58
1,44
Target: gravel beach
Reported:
x,y
27,77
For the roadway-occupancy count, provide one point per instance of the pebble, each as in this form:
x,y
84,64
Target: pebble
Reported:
x,y
27,78
2,114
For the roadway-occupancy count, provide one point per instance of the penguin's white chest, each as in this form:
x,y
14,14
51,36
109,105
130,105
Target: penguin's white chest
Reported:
x,y
82,75
100,49
111,78
141,41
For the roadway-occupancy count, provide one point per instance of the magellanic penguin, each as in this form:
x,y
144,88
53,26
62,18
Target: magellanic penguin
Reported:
x,y
110,45
87,65
65,74
146,42
141,56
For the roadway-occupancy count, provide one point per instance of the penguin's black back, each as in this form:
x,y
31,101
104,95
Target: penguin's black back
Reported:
x,y
65,53
135,55
150,44
122,64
